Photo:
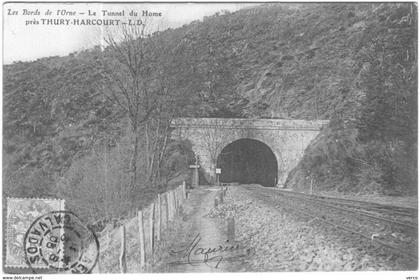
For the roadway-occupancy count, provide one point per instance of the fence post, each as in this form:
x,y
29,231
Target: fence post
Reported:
x,y
152,227
176,202
181,190
176,199
171,199
141,237
123,264
184,191
173,206
181,198
167,209
178,194
169,206
159,218
231,228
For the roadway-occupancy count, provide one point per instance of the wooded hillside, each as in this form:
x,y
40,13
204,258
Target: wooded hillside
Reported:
x,y
354,64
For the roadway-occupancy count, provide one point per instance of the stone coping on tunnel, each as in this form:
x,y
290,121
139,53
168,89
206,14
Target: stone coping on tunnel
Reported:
x,y
234,123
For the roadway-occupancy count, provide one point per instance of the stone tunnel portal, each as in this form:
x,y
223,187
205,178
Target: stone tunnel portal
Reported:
x,y
248,161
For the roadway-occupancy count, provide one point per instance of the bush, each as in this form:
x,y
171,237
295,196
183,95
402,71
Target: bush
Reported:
x,y
28,182
337,160
97,186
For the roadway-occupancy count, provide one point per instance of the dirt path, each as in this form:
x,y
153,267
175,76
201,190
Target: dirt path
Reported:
x,y
206,233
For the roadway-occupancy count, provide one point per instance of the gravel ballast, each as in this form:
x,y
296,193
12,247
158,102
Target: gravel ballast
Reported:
x,y
284,241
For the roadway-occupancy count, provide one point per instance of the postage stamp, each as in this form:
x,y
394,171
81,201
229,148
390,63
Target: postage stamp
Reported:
x,y
21,213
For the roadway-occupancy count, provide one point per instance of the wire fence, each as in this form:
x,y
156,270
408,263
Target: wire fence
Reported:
x,y
139,235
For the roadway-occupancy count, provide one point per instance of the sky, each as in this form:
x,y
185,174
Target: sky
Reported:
x,y
24,40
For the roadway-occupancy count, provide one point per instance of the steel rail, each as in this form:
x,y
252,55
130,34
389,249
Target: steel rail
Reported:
x,y
362,204
384,209
366,203
359,213
392,247
351,202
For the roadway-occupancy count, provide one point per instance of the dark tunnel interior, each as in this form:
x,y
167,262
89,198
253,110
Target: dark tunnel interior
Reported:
x,y
248,161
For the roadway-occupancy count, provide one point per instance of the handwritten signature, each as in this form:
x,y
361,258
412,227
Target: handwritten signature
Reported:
x,y
195,255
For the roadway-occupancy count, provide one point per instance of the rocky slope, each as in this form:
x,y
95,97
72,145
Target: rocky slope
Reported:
x,y
306,61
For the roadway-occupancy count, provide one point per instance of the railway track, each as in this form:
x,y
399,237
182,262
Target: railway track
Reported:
x,y
404,217
389,227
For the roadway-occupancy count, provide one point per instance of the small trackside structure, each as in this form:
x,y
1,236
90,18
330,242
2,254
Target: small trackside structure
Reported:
x,y
287,139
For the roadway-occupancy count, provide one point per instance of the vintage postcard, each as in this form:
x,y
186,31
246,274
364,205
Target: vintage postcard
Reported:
x,y
197,137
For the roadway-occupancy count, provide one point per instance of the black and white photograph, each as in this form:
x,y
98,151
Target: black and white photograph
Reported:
x,y
202,137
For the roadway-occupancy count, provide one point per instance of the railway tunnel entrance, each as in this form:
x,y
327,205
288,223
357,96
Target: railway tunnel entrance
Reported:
x,y
248,161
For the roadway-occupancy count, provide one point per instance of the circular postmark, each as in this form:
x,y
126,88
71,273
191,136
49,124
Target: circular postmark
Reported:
x,y
59,240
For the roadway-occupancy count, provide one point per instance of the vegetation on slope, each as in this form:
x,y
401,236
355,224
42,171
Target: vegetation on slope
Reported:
x,y
355,64
374,150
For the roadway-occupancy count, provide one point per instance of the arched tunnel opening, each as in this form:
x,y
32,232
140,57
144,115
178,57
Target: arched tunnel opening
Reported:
x,y
248,161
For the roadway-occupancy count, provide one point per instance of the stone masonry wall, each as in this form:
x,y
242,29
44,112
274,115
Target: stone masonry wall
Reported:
x,y
286,138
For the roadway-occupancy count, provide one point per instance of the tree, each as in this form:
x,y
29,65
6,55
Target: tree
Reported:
x,y
171,102
127,65
141,74
389,79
